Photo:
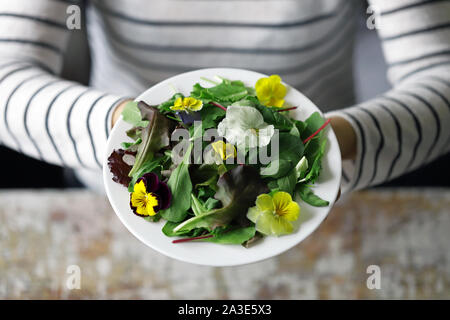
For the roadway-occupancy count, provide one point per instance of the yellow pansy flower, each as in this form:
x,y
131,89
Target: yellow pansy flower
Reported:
x,y
142,202
273,215
224,150
270,91
187,104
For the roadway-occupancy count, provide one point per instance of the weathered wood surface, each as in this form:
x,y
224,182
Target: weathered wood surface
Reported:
x,y
405,233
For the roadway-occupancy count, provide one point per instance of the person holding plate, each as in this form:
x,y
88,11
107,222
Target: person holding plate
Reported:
x,y
135,44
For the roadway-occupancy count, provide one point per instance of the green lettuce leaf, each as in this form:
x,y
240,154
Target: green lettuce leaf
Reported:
x,y
287,183
211,116
271,116
309,197
235,236
312,124
132,115
129,145
315,148
227,91
180,185
237,190
290,151
316,166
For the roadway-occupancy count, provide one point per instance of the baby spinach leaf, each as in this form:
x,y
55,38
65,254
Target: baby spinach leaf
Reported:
x,y
271,116
291,147
290,151
300,125
316,166
276,168
288,182
154,218
313,123
168,227
226,91
211,116
309,197
315,148
155,136
180,185
237,190
235,236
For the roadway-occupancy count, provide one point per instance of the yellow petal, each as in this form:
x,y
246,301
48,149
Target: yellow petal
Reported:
x,y
261,82
140,187
253,213
276,102
152,202
137,199
275,78
285,207
281,226
230,151
178,105
292,212
224,150
194,104
279,91
264,222
219,148
264,202
263,90
281,200
178,102
270,91
188,101
141,210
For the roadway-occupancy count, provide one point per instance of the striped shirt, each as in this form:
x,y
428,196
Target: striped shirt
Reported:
x,y
309,43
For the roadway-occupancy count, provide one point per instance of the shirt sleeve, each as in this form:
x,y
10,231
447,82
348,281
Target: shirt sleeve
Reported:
x,y
42,115
406,127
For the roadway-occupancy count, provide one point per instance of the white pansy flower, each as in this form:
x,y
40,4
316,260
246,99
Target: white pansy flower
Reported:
x,y
245,126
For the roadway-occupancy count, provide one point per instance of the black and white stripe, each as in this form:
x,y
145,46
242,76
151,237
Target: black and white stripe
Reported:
x,y
309,43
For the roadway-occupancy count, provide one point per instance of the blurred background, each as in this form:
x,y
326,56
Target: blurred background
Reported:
x,y
49,223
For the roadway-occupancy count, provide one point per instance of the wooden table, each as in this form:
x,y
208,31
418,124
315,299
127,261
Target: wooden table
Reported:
x,y
405,233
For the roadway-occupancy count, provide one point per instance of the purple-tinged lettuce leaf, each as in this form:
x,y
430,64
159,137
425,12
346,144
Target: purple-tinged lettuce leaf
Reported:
x,y
119,168
155,136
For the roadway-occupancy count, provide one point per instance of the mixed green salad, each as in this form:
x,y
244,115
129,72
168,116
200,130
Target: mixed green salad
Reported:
x,y
222,186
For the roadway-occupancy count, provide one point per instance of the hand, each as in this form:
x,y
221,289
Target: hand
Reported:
x,y
117,111
346,137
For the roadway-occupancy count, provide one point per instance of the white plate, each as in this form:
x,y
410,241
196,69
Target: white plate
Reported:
x,y
212,254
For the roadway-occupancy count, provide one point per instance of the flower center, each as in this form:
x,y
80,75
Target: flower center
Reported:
x,y
151,200
254,131
280,211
